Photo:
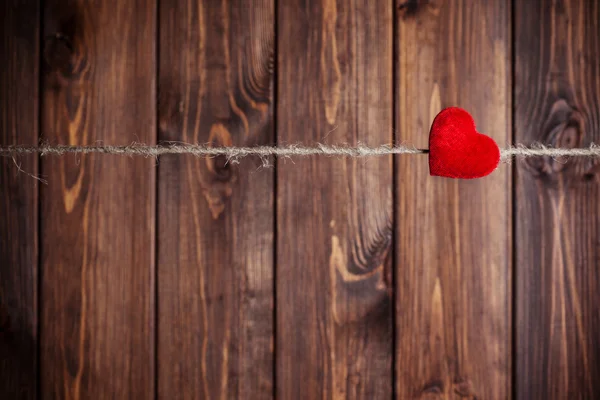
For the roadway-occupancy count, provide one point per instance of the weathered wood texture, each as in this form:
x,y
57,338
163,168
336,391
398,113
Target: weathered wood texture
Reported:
x,y
291,283
19,76
216,231
334,216
453,255
97,212
557,101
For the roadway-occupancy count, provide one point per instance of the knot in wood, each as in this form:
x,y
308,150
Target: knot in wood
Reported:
x,y
221,168
411,8
58,53
563,128
432,390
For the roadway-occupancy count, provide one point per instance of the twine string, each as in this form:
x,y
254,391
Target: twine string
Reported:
x,y
207,150
234,153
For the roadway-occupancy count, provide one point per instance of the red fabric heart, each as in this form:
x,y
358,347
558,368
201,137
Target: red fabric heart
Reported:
x,y
457,150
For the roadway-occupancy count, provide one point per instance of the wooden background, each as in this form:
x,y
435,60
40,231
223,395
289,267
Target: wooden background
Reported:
x,y
320,278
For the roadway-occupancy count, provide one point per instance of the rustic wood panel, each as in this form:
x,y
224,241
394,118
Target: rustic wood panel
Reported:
x,y
216,228
557,101
453,258
334,216
97,212
19,76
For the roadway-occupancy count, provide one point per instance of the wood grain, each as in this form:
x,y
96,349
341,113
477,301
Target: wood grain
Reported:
x,y
97,212
557,101
19,77
453,258
334,216
216,229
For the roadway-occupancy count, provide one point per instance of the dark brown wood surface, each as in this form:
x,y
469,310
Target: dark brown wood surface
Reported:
x,y
557,101
215,219
324,277
334,216
19,46
453,256
97,212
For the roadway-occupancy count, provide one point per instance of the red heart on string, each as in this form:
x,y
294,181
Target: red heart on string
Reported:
x,y
457,150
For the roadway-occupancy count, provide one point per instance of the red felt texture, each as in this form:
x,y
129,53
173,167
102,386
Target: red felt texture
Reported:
x,y
457,150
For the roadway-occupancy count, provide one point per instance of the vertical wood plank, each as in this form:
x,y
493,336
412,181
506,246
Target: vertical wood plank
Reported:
x,y
216,218
334,233
453,263
19,76
97,216
557,102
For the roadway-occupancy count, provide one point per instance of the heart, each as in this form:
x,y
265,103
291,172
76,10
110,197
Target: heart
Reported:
x,y
457,150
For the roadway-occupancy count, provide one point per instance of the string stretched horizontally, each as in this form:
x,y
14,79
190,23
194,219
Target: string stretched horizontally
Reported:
x,y
234,153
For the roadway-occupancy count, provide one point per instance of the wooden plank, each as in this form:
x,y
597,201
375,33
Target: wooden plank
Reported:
x,y
334,216
97,212
216,229
557,101
453,264
19,76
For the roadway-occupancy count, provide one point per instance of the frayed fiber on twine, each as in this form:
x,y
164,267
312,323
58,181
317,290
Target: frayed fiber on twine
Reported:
x,y
540,150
